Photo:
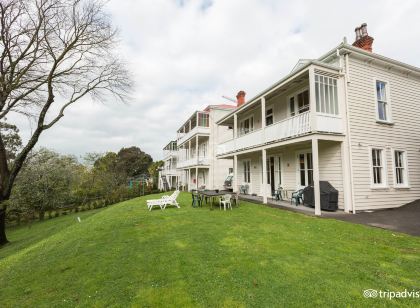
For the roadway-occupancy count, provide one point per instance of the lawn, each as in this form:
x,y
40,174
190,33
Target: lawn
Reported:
x,y
252,256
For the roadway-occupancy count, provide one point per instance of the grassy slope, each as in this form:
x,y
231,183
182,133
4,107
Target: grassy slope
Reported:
x,y
251,256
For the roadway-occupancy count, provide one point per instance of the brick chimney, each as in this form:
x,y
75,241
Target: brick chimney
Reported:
x,y
363,40
240,98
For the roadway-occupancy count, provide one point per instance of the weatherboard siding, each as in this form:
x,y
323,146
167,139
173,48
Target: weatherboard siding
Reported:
x,y
404,134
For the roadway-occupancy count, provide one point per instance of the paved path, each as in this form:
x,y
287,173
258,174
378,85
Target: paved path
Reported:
x,y
405,219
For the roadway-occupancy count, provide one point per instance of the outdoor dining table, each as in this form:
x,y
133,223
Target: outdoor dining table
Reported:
x,y
212,194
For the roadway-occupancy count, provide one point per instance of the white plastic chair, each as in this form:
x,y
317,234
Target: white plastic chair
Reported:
x,y
226,202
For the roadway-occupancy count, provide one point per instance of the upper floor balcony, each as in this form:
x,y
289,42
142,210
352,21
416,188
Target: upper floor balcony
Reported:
x,y
172,171
197,124
195,161
311,101
170,150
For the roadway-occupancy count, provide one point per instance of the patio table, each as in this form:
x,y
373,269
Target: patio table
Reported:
x,y
212,194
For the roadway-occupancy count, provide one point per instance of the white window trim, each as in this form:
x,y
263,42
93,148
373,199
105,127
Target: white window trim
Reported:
x,y
394,175
388,96
295,95
243,171
289,111
271,106
383,185
297,172
243,120
276,164
332,115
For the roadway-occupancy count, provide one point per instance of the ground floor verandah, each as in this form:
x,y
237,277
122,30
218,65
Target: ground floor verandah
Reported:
x,y
294,166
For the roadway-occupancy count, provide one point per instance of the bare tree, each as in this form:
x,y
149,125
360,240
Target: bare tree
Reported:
x,y
52,54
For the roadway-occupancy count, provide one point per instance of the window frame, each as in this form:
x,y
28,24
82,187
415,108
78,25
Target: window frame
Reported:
x,y
384,172
271,107
245,177
295,95
241,125
388,101
406,183
335,93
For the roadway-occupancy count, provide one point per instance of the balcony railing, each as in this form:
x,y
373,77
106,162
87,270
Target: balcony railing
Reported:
x,y
288,128
200,161
170,153
196,130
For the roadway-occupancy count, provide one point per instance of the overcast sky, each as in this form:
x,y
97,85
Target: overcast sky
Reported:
x,y
185,55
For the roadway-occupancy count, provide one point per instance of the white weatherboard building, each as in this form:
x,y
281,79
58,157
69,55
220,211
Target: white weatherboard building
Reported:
x,y
347,117
169,175
196,163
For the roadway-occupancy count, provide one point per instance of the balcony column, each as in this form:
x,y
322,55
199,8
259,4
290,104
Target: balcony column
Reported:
x,y
264,175
262,112
235,126
189,150
312,99
315,163
196,178
235,173
345,167
196,149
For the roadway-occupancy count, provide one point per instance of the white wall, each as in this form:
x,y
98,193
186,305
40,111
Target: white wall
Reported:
x,y
404,134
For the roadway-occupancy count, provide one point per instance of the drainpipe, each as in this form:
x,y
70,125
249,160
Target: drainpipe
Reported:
x,y
347,81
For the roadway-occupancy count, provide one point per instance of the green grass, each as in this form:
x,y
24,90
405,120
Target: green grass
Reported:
x,y
252,256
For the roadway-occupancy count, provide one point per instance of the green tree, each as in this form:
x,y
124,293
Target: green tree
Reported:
x,y
53,54
133,161
46,182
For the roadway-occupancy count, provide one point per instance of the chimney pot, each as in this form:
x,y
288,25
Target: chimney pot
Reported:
x,y
363,40
240,98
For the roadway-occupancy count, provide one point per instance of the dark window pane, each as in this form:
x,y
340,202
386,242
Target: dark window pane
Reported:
x,y
302,177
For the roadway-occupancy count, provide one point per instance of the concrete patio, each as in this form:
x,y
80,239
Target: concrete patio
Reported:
x,y
405,219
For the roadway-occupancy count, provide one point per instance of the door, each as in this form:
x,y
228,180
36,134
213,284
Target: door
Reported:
x,y
304,169
271,174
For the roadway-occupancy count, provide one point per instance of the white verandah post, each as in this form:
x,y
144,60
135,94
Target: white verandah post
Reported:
x,y
264,176
315,162
235,173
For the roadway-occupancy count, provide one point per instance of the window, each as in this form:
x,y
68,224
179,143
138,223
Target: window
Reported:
x,y
292,106
269,117
247,171
306,172
303,101
203,119
326,95
230,170
246,126
400,165
310,169
203,150
378,167
382,101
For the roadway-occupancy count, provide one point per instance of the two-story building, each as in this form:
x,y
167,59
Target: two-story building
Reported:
x,y
347,117
197,140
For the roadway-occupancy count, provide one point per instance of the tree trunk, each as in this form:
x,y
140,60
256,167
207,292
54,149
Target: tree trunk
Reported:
x,y
3,238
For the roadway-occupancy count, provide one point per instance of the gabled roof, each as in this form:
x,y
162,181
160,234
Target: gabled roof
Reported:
x,y
299,64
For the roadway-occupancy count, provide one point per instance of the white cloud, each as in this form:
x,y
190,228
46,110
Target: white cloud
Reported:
x,y
187,54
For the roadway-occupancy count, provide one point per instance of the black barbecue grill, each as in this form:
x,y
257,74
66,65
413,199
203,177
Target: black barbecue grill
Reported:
x,y
329,196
